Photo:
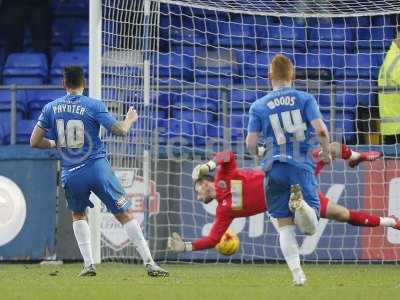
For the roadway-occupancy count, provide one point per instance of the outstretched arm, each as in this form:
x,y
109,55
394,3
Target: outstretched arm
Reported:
x,y
221,224
121,128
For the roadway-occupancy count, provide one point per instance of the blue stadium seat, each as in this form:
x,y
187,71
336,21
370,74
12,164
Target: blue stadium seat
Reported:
x,y
181,132
238,125
71,8
324,99
2,134
196,116
175,65
216,67
362,89
163,99
254,63
23,134
5,106
242,99
344,123
203,100
314,65
61,35
375,39
331,35
234,33
346,100
183,29
25,68
80,37
359,66
123,76
63,59
384,20
282,37
37,99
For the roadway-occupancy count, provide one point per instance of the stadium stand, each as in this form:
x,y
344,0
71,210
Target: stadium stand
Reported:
x,y
25,69
322,49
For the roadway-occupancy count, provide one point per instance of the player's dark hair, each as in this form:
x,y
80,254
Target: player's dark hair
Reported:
x,y
74,77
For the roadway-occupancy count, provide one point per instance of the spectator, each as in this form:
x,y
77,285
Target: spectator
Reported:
x,y
389,101
17,15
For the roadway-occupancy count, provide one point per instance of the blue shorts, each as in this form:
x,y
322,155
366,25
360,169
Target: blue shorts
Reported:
x,y
277,186
97,177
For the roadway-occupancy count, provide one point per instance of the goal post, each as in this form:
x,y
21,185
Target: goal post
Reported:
x,y
95,19
192,69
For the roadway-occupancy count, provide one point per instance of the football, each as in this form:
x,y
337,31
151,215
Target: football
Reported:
x,y
229,243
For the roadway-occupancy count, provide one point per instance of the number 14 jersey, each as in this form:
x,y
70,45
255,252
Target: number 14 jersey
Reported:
x,y
73,121
283,117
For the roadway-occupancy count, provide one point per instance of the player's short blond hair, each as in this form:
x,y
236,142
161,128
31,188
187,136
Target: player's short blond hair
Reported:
x,y
281,68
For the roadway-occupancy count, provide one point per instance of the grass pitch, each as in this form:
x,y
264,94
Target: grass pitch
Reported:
x,y
198,281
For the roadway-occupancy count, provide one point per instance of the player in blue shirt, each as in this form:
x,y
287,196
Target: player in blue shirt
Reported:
x,y
291,124
74,121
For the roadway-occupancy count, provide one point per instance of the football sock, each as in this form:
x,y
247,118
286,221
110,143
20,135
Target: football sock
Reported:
x,y
82,235
135,234
306,219
289,246
346,152
387,222
359,218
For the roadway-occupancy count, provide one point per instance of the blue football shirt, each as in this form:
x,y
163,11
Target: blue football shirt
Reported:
x,y
283,117
74,121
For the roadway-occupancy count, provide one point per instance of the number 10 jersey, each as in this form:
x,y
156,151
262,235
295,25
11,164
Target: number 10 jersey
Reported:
x,y
73,121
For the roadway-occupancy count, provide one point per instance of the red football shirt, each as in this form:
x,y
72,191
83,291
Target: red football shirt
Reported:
x,y
239,193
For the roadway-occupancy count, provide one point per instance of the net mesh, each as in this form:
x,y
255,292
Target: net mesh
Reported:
x,y
207,61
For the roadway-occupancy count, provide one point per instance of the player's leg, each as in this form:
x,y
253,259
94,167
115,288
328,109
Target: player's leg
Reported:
x,y
290,249
111,193
342,151
304,201
77,193
277,192
340,213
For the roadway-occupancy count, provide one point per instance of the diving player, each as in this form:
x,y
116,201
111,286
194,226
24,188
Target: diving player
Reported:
x,y
251,200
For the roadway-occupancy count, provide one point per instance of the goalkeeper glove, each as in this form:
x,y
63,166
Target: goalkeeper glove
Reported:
x,y
203,169
176,244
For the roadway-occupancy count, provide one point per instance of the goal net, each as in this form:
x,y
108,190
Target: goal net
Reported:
x,y
193,68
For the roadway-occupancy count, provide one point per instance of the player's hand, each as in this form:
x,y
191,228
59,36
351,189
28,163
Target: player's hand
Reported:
x,y
325,157
132,114
175,243
203,169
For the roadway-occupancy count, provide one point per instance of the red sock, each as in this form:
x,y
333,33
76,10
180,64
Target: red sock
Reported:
x,y
359,218
346,151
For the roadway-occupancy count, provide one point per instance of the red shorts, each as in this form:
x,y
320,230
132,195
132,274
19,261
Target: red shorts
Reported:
x,y
323,201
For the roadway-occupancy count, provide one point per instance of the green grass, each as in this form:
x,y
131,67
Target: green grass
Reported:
x,y
197,281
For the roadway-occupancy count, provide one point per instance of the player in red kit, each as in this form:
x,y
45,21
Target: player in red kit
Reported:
x,y
240,193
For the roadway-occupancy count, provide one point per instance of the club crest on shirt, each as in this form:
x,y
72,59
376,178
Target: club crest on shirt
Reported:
x,y
222,184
